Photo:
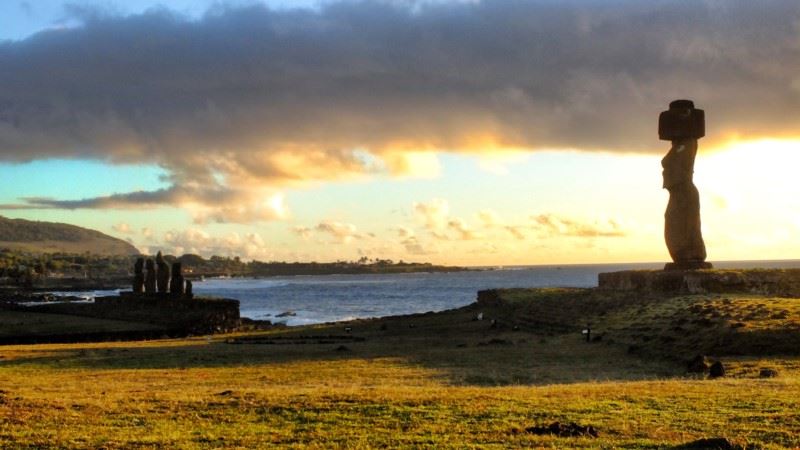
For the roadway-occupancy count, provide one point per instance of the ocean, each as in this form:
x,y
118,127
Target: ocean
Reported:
x,y
301,300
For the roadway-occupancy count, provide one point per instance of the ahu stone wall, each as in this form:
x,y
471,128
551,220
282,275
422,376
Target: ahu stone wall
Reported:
x,y
775,282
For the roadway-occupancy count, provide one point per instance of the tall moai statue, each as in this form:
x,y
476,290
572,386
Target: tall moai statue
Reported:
x,y
162,277
138,276
150,277
176,283
683,125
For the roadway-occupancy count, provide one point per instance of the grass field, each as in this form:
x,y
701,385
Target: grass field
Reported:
x,y
435,380
16,323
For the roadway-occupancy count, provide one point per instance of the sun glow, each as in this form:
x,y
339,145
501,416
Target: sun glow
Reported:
x,y
751,199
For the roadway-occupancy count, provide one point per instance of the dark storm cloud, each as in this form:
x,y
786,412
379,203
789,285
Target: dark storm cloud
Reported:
x,y
250,96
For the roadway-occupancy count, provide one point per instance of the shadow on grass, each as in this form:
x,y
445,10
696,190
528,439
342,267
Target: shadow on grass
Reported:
x,y
454,345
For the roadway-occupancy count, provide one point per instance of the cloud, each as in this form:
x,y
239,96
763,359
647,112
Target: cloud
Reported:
x,y
552,225
342,232
413,246
246,101
122,227
433,214
212,203
303,232
489,218
147,232
197,241
516,231
404,232
462,230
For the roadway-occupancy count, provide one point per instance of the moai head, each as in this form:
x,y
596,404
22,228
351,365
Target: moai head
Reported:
x,y
681,121
159,259
149,265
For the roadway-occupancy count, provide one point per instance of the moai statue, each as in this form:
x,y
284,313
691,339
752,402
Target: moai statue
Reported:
x,y
188,292
150,277
162,278
683,125
176,283
138,276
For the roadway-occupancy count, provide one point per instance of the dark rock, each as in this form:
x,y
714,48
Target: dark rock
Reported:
x,y
383,327
698,364
496,342
716,370
162,277
138,276
767,372
342,348
286,314
564,430
176,287
150,277
708,444
188,292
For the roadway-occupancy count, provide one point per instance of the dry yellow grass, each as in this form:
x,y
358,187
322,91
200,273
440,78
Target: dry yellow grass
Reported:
x,y
441,380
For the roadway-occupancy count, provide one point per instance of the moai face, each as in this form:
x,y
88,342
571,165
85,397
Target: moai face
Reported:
x,y
681,121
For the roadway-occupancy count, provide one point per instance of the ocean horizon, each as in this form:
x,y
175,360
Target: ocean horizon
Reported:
x,y
310,299
313,299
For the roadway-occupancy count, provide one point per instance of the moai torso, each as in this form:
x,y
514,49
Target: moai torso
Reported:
x,y
138,276
162,278
150,277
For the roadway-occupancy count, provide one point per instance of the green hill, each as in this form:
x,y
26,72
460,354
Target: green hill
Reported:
x,y
51,237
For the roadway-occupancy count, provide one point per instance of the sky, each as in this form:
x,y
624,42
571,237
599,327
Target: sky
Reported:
x,y
469,132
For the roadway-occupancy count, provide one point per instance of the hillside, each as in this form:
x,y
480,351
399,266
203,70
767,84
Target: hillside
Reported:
x,y
51,237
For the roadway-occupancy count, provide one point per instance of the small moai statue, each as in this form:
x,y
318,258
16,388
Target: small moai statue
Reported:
x,y
138,276
188,293
150,277
162,277
176,283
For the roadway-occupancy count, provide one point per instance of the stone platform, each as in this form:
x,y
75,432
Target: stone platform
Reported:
x,y
775,282
178,315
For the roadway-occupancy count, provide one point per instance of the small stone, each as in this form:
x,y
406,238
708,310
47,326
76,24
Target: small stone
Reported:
x,y
564,430
717,370
767,372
